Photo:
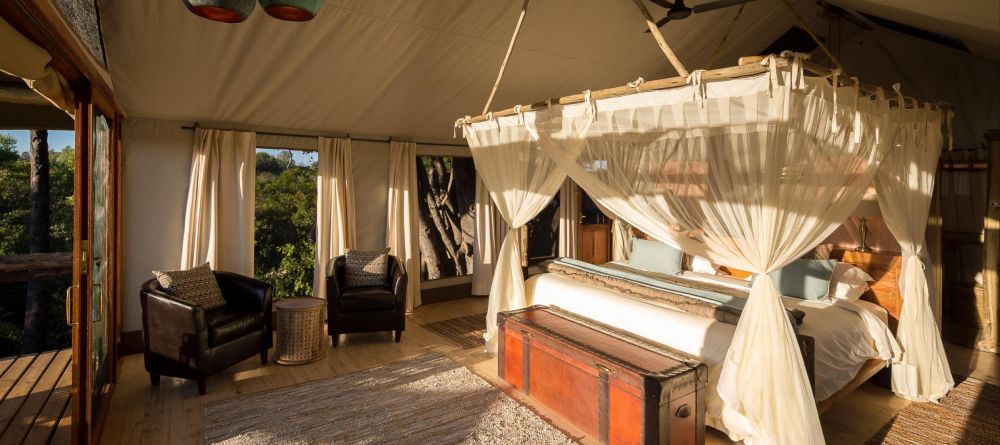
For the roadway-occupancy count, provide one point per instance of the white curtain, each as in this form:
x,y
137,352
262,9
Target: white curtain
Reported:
x,y
751,173
490,230
521,180
219,220
335,216
905,184
401,226
621,240
621,236
569,219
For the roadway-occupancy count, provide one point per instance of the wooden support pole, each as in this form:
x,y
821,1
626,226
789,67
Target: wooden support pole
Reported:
x,y
506,57
815,38
681,71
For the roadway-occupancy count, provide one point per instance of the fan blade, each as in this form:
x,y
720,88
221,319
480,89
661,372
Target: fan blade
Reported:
x,y
659,24
663,3
705,7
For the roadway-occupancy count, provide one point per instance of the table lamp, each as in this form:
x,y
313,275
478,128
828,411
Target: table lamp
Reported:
x,y
868,207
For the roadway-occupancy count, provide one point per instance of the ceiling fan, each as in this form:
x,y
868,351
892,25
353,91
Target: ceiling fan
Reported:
x,y
677,10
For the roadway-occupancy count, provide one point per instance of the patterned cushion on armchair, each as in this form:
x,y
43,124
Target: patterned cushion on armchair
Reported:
x,y
365,268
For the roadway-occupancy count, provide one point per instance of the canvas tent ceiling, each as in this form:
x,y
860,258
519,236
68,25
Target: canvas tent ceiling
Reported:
x,y
975,22
402,68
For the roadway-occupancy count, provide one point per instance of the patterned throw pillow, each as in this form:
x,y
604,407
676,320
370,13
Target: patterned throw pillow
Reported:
x,y
366,268
196,286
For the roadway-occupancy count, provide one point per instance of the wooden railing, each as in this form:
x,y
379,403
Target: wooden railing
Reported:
x,y
35,266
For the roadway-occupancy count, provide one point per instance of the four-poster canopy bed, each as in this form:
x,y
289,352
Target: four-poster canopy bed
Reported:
x,y
750,167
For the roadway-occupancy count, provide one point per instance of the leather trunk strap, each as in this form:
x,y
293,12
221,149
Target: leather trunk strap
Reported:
x,y
526,361
604,403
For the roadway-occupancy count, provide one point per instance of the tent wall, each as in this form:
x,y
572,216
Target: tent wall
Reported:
x,y
156,171
929,71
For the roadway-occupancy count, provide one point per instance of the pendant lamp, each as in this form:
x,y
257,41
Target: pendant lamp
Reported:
x,y
228,11
292,10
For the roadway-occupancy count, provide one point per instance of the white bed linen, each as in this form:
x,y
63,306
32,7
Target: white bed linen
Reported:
x,y
847,334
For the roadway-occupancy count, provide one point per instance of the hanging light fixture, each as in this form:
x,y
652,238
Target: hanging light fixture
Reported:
x,y
228,11
292,10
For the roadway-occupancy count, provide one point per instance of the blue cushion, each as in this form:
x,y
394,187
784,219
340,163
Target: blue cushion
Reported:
x,y
805,279
655,256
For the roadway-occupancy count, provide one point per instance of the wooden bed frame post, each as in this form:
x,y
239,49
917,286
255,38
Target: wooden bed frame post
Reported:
x,y
987,339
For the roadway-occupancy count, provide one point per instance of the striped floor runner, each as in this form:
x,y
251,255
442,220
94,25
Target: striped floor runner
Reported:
x,y
424,400
968,415
466,331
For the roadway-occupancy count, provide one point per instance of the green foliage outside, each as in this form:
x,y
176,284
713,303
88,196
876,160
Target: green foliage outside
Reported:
x,y
285,240
14,210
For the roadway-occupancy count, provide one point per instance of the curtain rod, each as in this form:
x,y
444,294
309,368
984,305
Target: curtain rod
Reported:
x,y
348,136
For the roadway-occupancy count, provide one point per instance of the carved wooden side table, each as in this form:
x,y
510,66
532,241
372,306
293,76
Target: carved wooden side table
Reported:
x,y
300,331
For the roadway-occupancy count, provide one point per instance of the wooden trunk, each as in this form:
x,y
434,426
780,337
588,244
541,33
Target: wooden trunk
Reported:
x,y
617,388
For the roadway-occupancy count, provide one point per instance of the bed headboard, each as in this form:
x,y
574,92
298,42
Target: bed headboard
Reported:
x,y
884,268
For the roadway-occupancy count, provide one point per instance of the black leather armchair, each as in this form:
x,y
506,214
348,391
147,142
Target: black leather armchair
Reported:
x,y
186,341
366,309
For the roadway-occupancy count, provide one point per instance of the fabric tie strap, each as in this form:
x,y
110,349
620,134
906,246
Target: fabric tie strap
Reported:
x,y
637,83
798,75
835,74
900,99
700,92
591,104
461,122
771,62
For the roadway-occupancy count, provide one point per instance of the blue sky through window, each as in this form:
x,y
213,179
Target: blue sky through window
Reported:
x,y
58,139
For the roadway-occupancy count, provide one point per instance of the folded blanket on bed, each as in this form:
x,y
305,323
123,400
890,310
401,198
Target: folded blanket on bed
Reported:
x,y
709,300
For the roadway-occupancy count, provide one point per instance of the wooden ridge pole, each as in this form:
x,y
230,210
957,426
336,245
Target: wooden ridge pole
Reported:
x,y
749,66
506,57
681,71
624,90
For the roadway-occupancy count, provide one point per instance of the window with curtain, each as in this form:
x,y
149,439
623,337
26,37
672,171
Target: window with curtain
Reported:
x,y
285,230
446,195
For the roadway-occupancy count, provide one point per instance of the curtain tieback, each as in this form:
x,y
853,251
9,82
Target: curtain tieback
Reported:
x,y
914,257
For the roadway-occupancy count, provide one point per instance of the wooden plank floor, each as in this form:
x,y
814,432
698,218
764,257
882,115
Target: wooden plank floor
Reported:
x,y
35,389
172,412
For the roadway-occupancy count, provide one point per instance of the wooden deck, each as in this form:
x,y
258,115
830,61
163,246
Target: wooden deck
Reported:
x,y
34,407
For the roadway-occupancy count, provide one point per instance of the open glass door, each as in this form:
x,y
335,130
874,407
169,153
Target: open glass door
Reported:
x,y
96,250
100,280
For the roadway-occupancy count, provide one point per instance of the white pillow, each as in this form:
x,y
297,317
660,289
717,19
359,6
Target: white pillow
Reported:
x,y
702,265
848,282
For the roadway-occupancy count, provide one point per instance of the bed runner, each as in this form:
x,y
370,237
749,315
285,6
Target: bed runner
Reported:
x,y
709,300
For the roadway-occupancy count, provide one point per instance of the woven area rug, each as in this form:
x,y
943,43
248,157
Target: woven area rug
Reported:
x,y
426,400
466,331
968,415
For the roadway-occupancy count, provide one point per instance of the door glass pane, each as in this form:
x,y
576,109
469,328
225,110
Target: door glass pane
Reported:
x,y
99,259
